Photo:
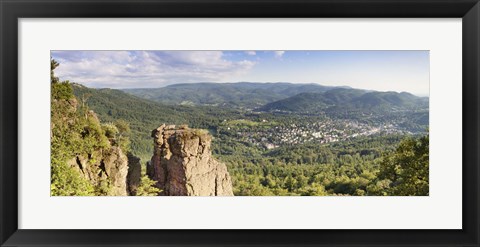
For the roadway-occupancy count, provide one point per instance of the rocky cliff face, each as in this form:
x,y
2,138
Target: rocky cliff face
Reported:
x,y
182,164
105,169
134,174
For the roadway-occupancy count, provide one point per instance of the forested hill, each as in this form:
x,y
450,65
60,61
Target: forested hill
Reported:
x,y
267,152
280,97
342,99
337,103
89,157
242,94
144,115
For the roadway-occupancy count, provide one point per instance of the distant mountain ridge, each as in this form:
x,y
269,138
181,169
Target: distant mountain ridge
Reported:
x,y
269,96
240,94
280,97
336,103
347,99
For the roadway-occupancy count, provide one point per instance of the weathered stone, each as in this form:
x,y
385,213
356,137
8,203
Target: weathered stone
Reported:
x,y
170,127
116,168
109,166
134,174
182,164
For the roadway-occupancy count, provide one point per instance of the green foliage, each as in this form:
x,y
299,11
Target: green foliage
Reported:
x,y
313,189
92,136
408,168
118,134
75,130
351,100
348,167
104,188
379,187
62,91
59,90
65,138
147,188
53,65
342,168
123,137
200,132
143,116
111,131
123,127
66,181
72,135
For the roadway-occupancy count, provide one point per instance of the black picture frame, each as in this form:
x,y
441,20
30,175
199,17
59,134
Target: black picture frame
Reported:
x,y
12,10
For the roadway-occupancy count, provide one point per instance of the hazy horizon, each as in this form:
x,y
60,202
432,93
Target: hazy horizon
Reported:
x,y
398,71
299,83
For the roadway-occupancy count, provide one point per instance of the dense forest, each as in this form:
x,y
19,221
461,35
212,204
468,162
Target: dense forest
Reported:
x,y
370,166
272,145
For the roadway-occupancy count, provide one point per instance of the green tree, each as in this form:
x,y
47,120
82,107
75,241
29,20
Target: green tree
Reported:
x,y
408,168
65,140
53,65
59,90
123,137
74,131
147,187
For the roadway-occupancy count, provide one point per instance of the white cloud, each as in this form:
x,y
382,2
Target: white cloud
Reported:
x,y
251,53
278,54
130,69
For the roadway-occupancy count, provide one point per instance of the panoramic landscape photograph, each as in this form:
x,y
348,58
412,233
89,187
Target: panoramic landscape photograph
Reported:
x,y
239,123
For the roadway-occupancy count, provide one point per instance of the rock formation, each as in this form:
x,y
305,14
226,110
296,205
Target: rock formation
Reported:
x,y
182,164
106,169
134,174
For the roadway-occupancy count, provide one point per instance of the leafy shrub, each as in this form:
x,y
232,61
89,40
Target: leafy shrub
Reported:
x,y
147,187
66,181
110,130
61,91
407,168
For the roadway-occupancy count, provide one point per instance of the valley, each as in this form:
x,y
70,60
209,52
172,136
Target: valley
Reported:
x,y
238,122
326,142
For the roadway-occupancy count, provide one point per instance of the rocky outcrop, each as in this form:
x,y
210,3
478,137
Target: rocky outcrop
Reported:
x,y
134,174
107,170
182,164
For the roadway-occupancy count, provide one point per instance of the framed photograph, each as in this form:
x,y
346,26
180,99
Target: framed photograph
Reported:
x,y
237,123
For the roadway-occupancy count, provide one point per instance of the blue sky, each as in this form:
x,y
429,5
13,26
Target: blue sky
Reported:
x,y
376,70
